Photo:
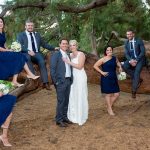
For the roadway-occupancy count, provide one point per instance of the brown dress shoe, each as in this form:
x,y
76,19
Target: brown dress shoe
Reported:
x,y
46,85
133,94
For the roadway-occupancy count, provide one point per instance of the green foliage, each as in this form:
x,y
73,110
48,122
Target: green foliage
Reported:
x,y
116,16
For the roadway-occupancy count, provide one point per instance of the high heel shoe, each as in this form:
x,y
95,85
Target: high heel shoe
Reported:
x,y
33,77
5,141
6,144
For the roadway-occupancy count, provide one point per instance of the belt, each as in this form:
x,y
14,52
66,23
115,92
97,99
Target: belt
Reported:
x,y
68,78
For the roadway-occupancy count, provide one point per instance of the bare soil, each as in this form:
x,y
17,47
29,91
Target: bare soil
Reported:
x,y
33,126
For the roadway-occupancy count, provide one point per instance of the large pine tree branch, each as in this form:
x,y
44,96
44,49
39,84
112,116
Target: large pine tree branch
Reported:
x,y
60,7
40,5
92,5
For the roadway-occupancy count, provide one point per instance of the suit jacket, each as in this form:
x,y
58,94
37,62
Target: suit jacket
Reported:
x,y
23,40
139,50
58,68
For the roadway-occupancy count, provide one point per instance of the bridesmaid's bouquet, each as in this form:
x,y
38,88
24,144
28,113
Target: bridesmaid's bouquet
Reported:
x,y
5,86
122,76
16,47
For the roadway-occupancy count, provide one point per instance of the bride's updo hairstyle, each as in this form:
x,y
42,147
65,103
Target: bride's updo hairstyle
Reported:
x,y
73,42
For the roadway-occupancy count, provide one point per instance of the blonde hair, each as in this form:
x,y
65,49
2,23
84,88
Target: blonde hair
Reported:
x,y
73,42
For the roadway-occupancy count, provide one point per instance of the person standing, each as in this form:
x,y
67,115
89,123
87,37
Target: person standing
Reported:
x,y
7,103
109,81
78,100
135,55
61,74
31,42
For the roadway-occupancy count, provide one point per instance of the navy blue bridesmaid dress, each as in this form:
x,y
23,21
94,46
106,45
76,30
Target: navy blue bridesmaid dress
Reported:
x,y
11,63
109,84
7,103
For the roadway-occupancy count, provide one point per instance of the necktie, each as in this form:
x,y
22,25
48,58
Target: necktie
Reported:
x,y
131,45
132,49
32,41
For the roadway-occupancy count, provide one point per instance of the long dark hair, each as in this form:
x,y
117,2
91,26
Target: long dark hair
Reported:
x,y
106,49
3,23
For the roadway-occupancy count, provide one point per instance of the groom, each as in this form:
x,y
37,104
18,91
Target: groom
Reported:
x,y
61,74
135,54
31,42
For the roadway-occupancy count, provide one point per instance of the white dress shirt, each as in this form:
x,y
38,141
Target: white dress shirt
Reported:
x,y
68,69
29,41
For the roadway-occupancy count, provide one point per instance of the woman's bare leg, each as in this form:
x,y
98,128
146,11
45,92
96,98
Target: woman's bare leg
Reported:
x,y
4,136
29,73
15,82
114,98
108,102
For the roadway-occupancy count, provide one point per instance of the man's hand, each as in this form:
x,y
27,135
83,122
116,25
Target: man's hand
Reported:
x,y
31,53
133,62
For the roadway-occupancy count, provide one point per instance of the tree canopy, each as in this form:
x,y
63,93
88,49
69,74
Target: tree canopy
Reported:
x,y
89,22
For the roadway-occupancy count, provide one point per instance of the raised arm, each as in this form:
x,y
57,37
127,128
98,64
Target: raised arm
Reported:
x,y
45,45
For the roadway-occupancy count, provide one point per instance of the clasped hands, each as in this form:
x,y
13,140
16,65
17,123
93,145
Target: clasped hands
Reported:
x,y
133,62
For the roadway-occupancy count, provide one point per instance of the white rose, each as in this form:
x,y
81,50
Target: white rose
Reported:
x,y
16,46
2,86
122,76
5,91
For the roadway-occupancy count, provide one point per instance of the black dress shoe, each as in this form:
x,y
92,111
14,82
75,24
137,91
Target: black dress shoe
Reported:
x,y
61,124
46,85
67,121
133,94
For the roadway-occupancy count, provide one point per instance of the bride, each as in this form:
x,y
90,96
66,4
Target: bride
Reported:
x,y
78,100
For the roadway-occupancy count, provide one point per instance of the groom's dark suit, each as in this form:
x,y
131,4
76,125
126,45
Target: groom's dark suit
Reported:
x,y
62,85
38,57
137,52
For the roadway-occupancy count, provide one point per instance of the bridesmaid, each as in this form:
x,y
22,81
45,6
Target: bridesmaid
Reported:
x,y
11,63
109,81
6,106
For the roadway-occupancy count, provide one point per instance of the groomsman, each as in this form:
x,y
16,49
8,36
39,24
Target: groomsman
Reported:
x,y
61,74
31,42
135,55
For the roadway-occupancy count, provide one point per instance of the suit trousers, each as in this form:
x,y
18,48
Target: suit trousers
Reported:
x,y
134,72
63,92
39,60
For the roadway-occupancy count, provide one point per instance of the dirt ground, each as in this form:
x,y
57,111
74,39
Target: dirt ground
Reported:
x,y
33,126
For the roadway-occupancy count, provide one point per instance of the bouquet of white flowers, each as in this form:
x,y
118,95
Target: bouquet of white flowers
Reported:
x,y
5,86
16,47
122,76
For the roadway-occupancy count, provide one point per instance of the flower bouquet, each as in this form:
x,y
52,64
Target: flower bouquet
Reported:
x,y
122,76
5,86
16,47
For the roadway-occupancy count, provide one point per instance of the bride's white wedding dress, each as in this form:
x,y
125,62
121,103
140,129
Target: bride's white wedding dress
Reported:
x,y
78,100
